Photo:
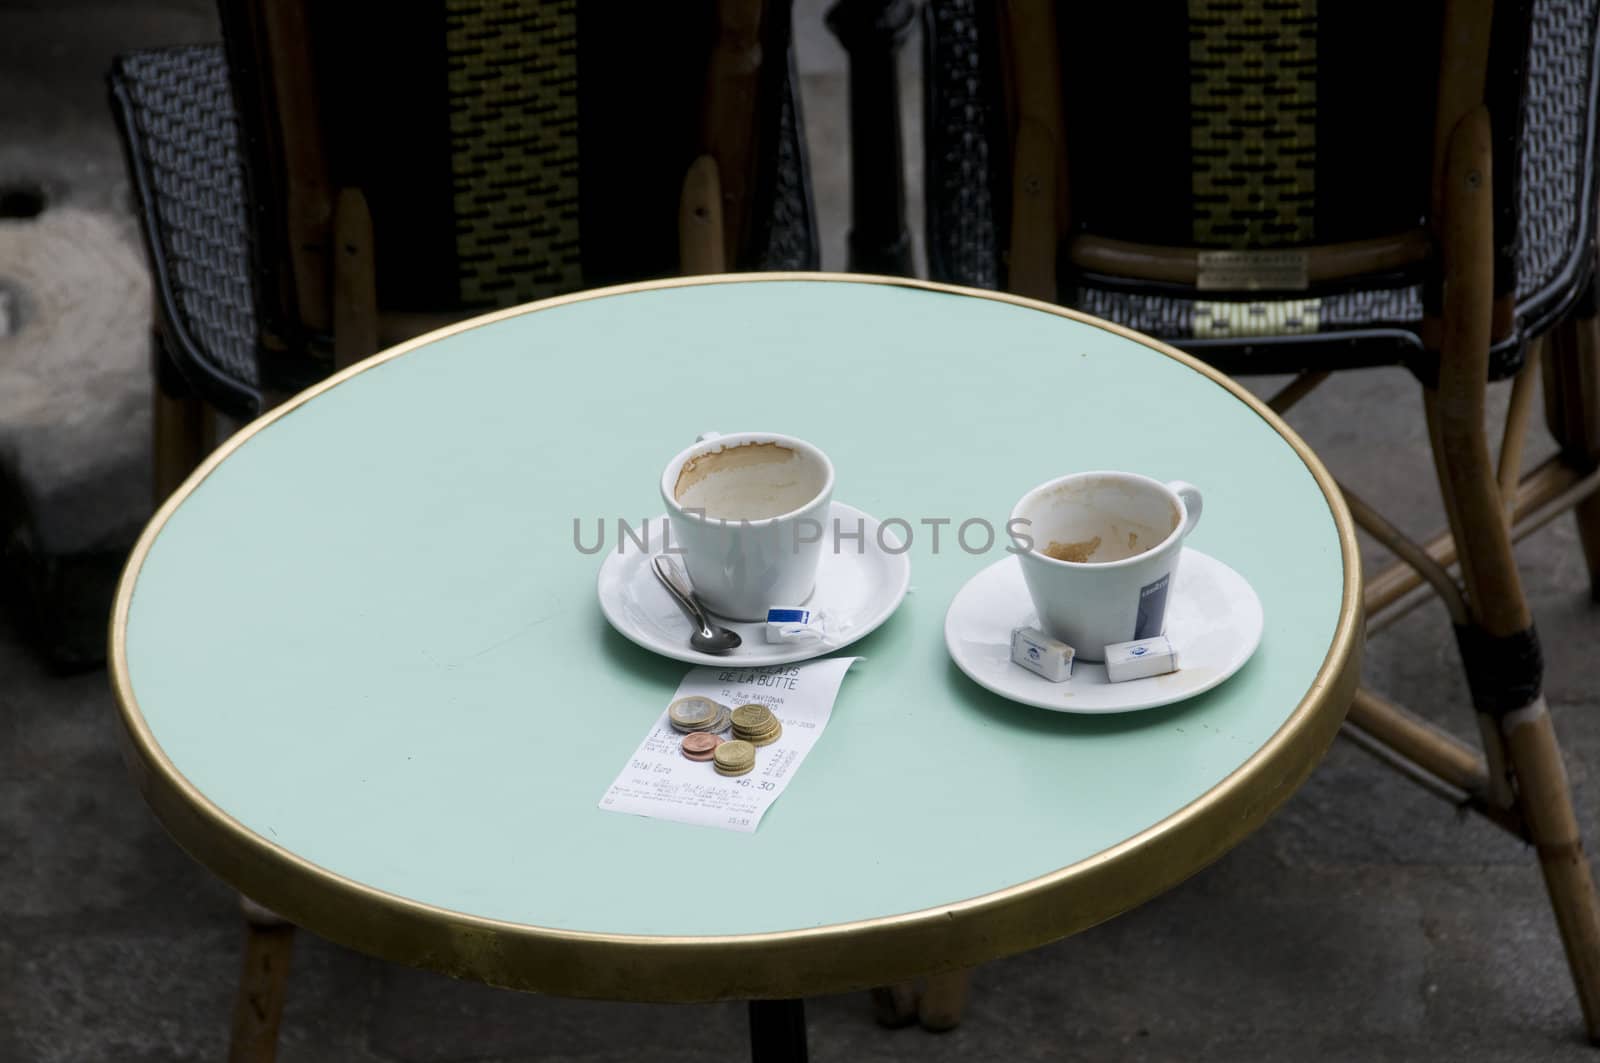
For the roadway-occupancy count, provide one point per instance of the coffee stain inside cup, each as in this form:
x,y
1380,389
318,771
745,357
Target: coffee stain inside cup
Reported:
x,y
748,481
1083,551
1098,520
1079,552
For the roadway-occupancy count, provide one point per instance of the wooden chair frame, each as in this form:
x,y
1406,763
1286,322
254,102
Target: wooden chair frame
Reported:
x,y
1517,779
332,269
331,239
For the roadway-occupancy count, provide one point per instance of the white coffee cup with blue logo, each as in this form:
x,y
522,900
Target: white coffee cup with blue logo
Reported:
x,y
1099,552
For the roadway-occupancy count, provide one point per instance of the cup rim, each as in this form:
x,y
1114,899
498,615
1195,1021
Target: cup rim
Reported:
x,y
669,475
1102,566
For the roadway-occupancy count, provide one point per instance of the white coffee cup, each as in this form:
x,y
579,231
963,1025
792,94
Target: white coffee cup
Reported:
x,y
748,511
1099,551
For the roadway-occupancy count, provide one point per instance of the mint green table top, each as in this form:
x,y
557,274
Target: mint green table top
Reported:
x,y
364,676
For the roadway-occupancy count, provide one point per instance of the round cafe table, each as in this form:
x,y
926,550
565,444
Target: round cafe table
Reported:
x,y
364,678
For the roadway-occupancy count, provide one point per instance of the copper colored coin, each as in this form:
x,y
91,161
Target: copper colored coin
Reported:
x,y
699,742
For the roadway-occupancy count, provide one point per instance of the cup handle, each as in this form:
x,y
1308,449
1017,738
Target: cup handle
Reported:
x,y
703,436
1193,504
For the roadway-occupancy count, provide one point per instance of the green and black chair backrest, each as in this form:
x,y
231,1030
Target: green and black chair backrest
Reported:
x,y
1252,179
507,150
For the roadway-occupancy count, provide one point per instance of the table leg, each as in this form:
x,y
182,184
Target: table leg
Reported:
x,y
943,998
777,1031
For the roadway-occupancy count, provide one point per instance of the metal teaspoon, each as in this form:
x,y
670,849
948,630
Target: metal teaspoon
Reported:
x,y
711,638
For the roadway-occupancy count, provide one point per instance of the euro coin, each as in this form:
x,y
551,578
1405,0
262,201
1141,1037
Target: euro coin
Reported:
x,y
697,745
735,758
768,738
692,713
752,717
756,724
764,732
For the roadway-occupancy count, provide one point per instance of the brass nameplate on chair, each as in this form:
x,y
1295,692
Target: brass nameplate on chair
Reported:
x,y
1251,271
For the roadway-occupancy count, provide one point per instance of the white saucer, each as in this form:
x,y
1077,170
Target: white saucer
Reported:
x,y
857,591
1213,618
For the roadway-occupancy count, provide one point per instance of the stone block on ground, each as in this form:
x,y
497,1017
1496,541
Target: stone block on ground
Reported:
x,y
74,422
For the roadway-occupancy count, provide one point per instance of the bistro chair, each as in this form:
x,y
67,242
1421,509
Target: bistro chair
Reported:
x,y
1284,186
307,197
338,177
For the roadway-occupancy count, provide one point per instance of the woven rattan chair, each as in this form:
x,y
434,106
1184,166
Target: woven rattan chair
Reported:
x,y
307,196
1286,186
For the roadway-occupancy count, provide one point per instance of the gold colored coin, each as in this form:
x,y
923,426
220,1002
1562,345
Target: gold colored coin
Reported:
x,y
759,727
736,757
752,718
766,739
760,733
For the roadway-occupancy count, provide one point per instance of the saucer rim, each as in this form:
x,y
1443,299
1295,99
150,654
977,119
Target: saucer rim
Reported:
x,y
1155,702
798,652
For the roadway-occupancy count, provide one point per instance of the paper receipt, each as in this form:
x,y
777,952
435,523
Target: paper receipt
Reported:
x,y
658,781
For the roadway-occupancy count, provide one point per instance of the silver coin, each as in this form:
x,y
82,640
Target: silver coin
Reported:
x,y
692,713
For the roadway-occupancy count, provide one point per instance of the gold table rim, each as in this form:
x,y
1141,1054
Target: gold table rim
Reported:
x,y
776,964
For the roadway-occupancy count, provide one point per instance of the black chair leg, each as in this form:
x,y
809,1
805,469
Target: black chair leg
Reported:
x,y
778,1031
